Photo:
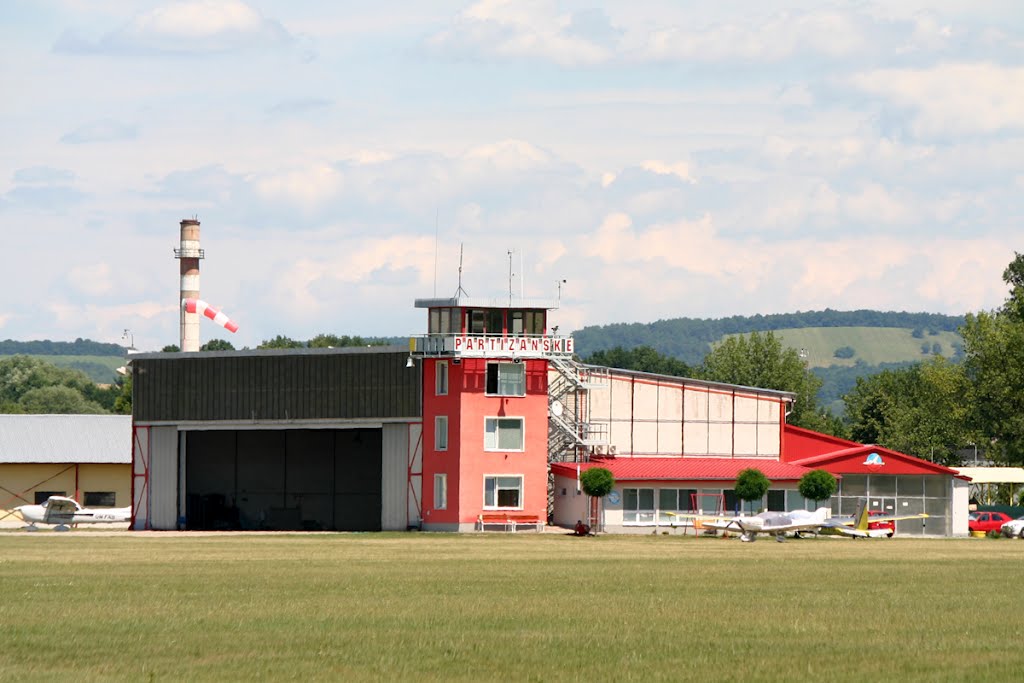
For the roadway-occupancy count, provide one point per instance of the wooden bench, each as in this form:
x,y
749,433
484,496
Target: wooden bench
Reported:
x,y
510,521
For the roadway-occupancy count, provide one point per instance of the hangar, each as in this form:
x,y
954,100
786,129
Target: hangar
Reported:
x,y
309,439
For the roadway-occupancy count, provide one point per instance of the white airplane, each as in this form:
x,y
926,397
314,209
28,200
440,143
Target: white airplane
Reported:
x,y
774,523
63,511
778,524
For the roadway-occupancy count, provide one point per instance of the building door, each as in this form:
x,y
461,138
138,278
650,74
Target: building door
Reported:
x,y
884,506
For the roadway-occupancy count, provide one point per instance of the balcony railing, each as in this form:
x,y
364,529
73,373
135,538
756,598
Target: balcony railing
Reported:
x,y
491,346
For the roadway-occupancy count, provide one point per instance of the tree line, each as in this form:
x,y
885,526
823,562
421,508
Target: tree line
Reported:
x,y
45,347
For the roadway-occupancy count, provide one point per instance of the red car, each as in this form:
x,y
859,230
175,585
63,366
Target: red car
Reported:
x,y
987,521
888,524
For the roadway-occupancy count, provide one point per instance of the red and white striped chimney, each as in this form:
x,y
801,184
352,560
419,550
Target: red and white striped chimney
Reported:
x,y
189,254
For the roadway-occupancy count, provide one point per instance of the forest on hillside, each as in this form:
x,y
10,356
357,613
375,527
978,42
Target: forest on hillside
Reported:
x,y
690,339
45,347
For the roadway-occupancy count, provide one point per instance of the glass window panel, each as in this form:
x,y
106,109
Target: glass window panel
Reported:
x,y
777,501
936,486
794,501
854,485
535,322
476,321
910,485
732,503
490,488
508,498
495,323
629,499
441,377
440,491
490,433
511,379
647,499
434,326
882,484
441,432
668,499
517,325
446,320
510,433
101,499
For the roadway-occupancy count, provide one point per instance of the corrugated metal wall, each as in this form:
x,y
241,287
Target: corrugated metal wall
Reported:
x,y
394,477
258,386
163,478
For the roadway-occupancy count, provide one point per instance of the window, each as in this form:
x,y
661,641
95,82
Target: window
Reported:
x,y
534,322
503,433
673,501
506,379
503,491
440,491
43,496
444,321
484,321
441,378
638,506
441,433
100,499
777,501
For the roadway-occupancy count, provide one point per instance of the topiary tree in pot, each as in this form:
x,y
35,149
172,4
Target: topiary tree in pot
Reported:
x,y
596,482
751,485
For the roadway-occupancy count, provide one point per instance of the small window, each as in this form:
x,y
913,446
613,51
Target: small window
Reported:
x,y
440,491
506,379
441,433
504,433
43,496
505,491
100,499
638,506
441,378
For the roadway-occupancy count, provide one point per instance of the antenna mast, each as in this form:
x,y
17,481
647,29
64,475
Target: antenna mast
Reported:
x,y
510,274
460,290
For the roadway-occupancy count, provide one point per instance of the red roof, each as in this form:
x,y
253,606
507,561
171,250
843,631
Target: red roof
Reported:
x,y
683,469
869,459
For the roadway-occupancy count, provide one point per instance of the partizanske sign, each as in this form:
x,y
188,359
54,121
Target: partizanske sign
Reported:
x,y
512,346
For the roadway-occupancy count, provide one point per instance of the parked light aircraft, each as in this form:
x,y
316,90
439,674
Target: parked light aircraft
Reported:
x,y
63,511
778,524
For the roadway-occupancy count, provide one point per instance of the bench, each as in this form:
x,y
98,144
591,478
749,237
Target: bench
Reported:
x,y
510,521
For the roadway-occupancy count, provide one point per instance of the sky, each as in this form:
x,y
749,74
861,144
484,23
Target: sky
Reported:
x,y
663,158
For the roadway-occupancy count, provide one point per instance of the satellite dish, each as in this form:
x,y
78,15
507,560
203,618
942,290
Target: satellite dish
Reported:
x,y
557,408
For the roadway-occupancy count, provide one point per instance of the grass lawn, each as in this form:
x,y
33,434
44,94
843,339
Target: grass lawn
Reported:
x,y
83,607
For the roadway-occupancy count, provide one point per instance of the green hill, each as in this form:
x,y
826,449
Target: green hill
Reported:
x,y
870,345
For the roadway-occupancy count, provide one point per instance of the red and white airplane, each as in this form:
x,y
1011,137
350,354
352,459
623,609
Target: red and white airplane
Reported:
x,y
64,512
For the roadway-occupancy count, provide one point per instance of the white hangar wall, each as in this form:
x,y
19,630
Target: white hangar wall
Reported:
x,y
652,415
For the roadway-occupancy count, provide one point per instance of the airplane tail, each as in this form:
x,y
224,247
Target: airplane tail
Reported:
x,y
821,514
860,517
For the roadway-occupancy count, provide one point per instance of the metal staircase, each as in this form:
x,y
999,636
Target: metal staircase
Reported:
x,y
571,436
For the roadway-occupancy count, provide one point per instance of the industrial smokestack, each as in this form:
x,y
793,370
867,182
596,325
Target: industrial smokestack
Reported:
x,y
189,254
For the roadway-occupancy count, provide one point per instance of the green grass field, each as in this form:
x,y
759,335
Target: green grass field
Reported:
x,y
535,607
873,345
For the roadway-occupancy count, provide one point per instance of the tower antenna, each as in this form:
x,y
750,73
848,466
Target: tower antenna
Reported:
x,y
460,290
510,274
436,213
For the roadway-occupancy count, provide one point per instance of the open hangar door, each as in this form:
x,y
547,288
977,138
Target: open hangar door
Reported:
x,y
292,479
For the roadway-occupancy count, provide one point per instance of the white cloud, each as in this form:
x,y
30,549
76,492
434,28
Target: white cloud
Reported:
x,y
953,99
92,279
306,187
679,169
189,27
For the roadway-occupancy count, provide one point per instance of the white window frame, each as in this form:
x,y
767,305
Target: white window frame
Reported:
x,y
440,432
521,488
441,378
497,434
643,516
440,491
521,367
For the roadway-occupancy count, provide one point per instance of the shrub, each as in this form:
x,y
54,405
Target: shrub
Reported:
x,y
844,352
817,485
597,482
